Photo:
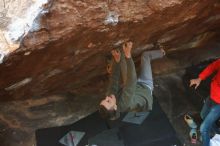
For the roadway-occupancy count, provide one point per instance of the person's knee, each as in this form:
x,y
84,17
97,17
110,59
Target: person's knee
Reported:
x,y
203,128
202,115
145,55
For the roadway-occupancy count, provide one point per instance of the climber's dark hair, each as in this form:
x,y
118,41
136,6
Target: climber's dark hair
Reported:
x,y
106,114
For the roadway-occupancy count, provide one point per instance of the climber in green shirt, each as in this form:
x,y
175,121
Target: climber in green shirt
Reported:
x,y
135,93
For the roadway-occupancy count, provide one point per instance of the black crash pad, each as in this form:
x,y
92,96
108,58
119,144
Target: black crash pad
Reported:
x,y
91,125
109,137
156,130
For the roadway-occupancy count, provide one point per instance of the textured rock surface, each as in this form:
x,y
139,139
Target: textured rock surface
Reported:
x,y
68,52
63,61
20,119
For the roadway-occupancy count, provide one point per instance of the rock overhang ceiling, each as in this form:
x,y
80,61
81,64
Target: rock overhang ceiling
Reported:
x,y
67,50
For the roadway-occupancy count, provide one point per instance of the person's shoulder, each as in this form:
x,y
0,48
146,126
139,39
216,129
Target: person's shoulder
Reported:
x,y
214,61
217,61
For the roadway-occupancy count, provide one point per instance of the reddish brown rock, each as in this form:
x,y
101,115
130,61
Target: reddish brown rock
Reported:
x,y
68,52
